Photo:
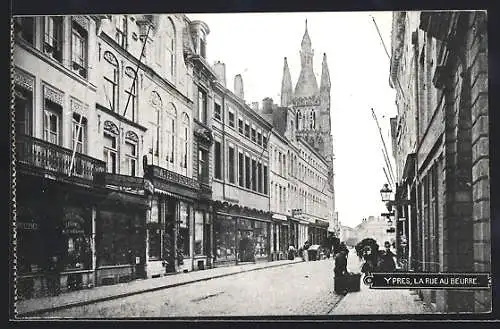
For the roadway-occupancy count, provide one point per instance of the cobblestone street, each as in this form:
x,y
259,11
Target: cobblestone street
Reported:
x,y
299,289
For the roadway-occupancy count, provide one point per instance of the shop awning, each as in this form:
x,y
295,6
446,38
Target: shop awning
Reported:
x,y
127,199
280,217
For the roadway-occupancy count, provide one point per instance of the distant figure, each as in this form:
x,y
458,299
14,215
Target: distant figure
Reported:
x,y
386,259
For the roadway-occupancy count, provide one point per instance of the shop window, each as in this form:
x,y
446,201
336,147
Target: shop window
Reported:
x,y
199,219
114,238
217,160
225,238
231,165
25,29
79,47
217,111
76,233
183,241
154,232
53,34
261,231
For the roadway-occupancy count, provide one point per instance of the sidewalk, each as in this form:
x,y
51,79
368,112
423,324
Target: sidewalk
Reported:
x,y
35,306
380,301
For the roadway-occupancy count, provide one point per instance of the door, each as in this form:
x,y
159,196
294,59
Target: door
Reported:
x,y
246,246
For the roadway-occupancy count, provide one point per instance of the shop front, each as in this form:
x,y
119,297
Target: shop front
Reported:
x,y
54,245
279,246
120,238
241,235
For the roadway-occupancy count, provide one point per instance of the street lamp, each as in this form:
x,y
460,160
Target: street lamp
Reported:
x,y
386,192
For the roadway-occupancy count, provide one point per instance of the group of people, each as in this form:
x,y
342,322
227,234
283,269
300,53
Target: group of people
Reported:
x,y
378,261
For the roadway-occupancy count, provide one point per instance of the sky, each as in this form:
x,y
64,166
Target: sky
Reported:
x,y
255,44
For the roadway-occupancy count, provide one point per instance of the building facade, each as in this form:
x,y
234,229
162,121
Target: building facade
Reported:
x,y
105,127
442,100
240,188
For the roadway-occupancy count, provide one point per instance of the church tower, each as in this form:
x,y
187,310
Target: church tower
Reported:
x,y
310,103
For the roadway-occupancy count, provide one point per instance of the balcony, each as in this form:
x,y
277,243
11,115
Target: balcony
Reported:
x,y
40,157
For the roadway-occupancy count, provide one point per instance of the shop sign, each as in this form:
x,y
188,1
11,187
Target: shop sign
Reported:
x,y
72,228
27,226
73,222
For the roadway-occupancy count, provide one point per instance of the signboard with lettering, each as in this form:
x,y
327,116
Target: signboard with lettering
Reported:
x,y
27,226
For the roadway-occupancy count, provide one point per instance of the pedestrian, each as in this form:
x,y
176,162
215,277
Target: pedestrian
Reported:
x,y
53,276
370,258
386,259
340,270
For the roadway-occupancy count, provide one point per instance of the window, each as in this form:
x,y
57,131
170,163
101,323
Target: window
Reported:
x,y
203,166
217,111
23,109
53,34
121,31
171,47
110,152
240,126
154,231
259,177
202,106
25,29
254,135
129,84
131,157
171,133
254,175
203,48
52,122
79,49
199,219
111,82
241,165
247,173
265,180
284,165
247,130
79,127
231,119
185,141
259,138
183,236
280,165
264,141
231,165
217,160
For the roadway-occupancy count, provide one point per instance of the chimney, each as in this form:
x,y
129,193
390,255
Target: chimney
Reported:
x,y
220,71
255,106
238,86
267,105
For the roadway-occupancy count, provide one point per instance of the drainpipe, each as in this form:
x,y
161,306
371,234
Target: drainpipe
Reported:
x,y
417,128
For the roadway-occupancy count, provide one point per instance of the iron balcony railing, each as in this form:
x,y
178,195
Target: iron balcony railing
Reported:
x,y
51,158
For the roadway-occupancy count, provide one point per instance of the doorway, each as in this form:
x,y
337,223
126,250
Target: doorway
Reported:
x,y
246,246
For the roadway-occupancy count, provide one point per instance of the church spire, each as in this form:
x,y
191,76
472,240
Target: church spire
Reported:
x,y
306,84
286,85
325,76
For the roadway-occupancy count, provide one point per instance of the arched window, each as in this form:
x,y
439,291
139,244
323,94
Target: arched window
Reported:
x,y
170,120
170,44
111,142
184,142
111,81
